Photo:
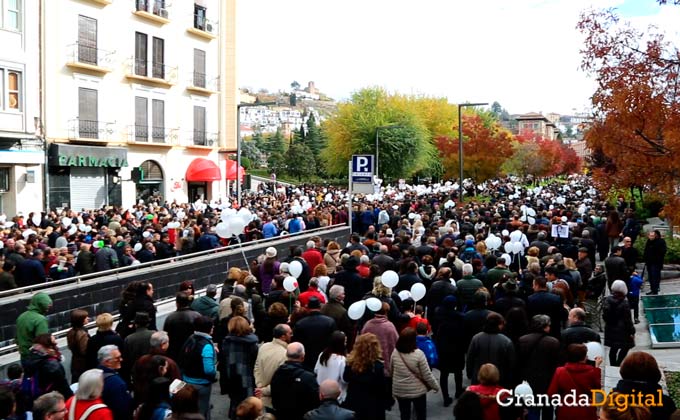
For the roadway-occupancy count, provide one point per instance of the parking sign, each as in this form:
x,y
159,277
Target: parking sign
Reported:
x,y
362,169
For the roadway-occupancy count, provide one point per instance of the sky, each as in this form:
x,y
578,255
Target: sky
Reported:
x,y
522,53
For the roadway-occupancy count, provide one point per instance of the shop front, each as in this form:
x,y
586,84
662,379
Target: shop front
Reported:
x,y
199,174
85,177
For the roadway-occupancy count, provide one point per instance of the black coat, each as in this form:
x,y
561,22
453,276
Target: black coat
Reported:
x,y
179,325
366,392
355,286
435,296
474,321
447,338
579,333
655,251
537,361
648,388
616,269
314,332
406,281
294,391
545,303
99,340
619,330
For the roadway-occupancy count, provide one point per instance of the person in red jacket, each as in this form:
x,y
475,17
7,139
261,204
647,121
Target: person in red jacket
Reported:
x,y
312,256
312,291
577,375
88,397
488,389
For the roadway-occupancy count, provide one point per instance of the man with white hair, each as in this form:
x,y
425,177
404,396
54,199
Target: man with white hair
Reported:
x,y
312,256
294,388
49,406
467,286
87,398
335,308
115,394
329,391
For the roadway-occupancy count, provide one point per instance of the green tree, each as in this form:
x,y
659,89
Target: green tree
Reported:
x,y
299,162
277,144
276,162
259,141
295,85
352,130
250,151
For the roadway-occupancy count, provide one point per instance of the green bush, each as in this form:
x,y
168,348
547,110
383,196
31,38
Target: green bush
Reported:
x,y
673,384
672,245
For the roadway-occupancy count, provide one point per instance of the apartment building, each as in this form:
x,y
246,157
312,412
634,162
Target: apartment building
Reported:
x,y
536,124
22,156
139,100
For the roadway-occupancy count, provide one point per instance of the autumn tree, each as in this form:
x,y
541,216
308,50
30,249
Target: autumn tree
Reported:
x,y
636,123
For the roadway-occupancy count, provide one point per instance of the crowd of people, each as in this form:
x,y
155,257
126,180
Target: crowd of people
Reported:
x,y
507,282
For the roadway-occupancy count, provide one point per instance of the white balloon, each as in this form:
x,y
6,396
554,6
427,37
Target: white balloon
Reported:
x,y
507,259
135,262
146,234
516,236
389,278
9,224
448,204
505,232
236,225
524,390
374,304
88,229
531,220
508,247
66,221
517,247
404,294
418,291
72,230
290,283
37,218
81,227
295,269
245,215
2,245
356,310
594,350
26,233
138,247
531,212
489,242
222,230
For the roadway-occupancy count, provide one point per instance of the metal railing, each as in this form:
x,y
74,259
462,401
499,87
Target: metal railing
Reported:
x,y
204,24
154,69
177,259
202,80
90,129
199,138
138,133
87,54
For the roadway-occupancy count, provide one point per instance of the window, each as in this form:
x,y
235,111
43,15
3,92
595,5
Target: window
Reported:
x,y
10,90
87,40
140,54
199,68
199,126
13,15
88,124
158,58
199,17
4,179
158,120
141,119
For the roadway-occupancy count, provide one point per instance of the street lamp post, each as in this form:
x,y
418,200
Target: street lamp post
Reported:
x,y
238,144
377,142
460,142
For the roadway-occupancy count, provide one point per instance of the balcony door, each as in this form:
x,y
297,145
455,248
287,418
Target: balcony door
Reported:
x,y
87,40
141,54
88,119
158,58
141,119
199,126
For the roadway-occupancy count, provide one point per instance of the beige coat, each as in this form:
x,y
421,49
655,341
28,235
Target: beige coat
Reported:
x,y
404,383
270,356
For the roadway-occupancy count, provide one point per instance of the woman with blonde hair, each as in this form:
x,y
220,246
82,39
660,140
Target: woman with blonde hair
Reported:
x,y
365,378
332,257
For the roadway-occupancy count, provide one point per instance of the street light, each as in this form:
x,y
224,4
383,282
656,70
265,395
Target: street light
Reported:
x,y
460,142
377,142
238,143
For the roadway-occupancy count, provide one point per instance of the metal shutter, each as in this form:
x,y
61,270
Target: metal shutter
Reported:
x,y
87,40
158,120
141,119
199,125
140,54
199,68
158,58
87,113
88,188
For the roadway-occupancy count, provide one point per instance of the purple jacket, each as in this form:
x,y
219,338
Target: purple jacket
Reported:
x,y
387,335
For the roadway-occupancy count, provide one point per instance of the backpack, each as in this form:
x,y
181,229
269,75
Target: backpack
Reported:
x,y
86,414
427,347
468,255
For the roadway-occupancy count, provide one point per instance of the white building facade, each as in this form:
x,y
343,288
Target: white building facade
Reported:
x,y
139,100
22,154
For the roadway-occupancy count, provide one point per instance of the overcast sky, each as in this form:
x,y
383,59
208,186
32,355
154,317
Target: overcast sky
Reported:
x,y
521,53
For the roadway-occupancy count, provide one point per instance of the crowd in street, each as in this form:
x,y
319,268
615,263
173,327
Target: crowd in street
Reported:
x,y
497,292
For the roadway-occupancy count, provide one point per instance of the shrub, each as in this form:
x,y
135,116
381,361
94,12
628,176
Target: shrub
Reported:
x,y
672,246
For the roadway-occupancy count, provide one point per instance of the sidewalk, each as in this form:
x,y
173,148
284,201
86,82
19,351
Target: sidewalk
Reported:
x,y
667,359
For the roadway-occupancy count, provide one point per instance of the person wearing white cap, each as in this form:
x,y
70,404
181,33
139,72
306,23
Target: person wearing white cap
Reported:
x,y
268,269
619,331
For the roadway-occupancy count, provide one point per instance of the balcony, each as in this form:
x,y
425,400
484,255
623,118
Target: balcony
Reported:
x,y
199,138
85,57
202,84
100,2
151,72
90,130
155,11
203,27
152,136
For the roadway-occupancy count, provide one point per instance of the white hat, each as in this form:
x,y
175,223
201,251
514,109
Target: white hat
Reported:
x,y
270,252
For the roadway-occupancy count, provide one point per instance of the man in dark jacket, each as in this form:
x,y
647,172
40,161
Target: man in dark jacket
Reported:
x,y
616,269
467,287
490,346
115,394
409,278
335,309
577,332
106,258
147,254
541,244
441,287
294,389
180,324
207,305
654,254
136,344
542,302
314,331
31,270
164,249
383,260
85,261
330,409
349,278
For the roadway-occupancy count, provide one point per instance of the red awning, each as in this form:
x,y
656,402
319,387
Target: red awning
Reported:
x,y
203,170
231,171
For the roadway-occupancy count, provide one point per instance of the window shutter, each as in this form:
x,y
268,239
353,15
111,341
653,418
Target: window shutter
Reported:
x,y
87,40
140,54
199,125
158,120
141,119
158,58
88,126
199,68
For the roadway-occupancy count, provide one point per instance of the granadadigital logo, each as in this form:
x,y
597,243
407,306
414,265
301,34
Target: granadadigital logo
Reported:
x,y
597,398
